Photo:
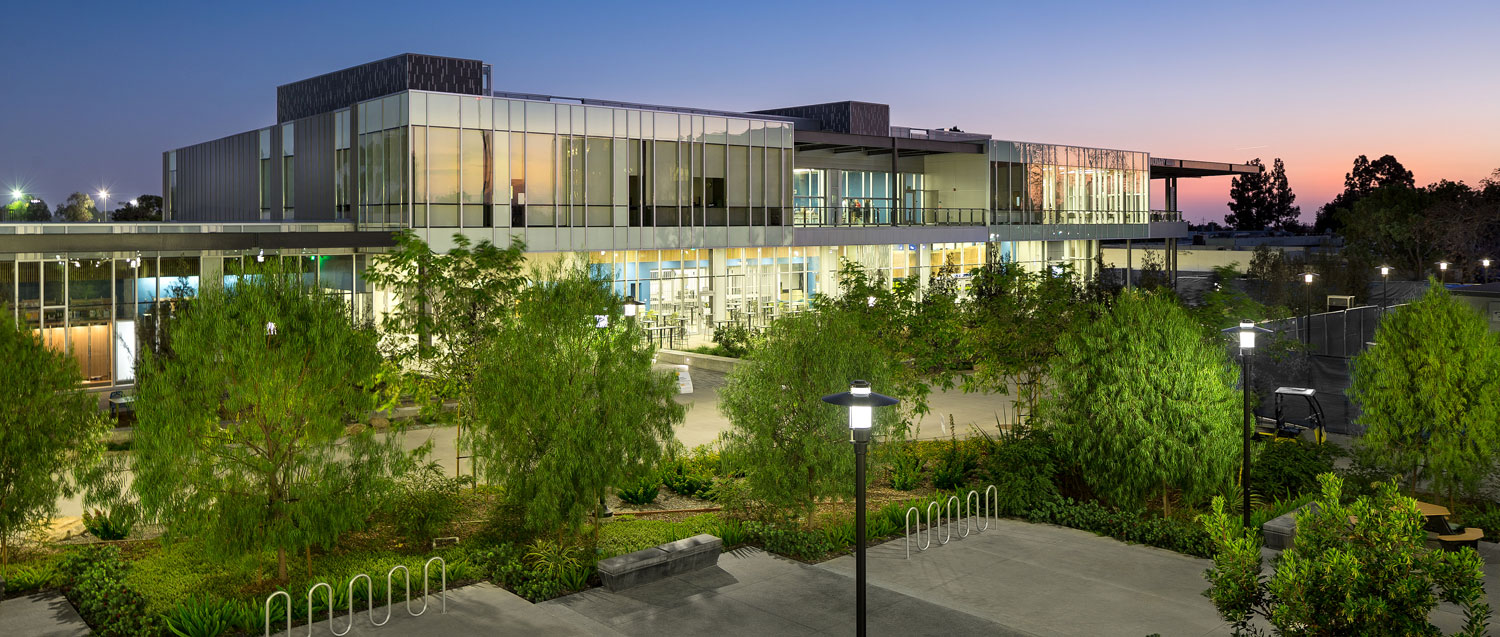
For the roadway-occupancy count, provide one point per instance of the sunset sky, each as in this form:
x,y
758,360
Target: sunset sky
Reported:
x,y
99,90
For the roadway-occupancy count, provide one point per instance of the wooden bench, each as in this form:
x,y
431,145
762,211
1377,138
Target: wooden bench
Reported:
x,y
1468,537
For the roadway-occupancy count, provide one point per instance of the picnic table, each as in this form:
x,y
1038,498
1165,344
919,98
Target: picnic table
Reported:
x,y
1446,535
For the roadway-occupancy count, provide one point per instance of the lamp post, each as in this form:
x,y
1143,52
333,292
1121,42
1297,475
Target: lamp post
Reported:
x,y
1486,264
861,403
104,196
1246,332
1307,325
1385,280
1443,269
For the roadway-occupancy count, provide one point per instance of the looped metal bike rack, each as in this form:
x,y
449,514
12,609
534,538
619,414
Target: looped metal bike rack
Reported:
x,y
369,598
986,505
272,596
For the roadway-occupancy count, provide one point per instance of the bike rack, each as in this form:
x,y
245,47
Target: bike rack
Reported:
x,y
987,505
369,598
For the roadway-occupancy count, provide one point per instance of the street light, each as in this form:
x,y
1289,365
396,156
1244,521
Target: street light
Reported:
x,y
861,403
1246,332
1307,331
104,196
1486,264
1443,268
1385,279
16,194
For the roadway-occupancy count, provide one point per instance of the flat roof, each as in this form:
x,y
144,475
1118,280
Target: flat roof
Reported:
x,y
880,144
1162,167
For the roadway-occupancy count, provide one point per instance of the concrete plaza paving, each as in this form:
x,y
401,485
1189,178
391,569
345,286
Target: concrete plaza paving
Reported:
x,y
41,615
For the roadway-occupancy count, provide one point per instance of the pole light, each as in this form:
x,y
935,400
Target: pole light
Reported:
x,y
1307,331
1385,280
16,194
1246,332
861,402
632,307
1443,268
1486,264
104,196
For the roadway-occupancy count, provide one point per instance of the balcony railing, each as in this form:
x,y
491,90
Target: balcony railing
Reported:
x,y
1031,217
875,217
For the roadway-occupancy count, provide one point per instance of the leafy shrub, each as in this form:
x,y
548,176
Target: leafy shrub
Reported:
x,y
1356,569
954,465
1022,465
27,578
1485,516
94,584
640,491
732,533
1129,526
733,340
794,542
906,469
1290,468
683,479
426,502
840,536
114,524
202,617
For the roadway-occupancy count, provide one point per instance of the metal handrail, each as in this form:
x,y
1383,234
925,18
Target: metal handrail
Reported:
x,y
369,598
885,216
1086,217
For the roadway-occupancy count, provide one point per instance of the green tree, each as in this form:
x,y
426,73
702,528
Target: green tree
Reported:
x,y
1249,200
793,447
27,208
78,208
449,307
242,420
1014,320
1356,569
49,431
1144,402
564,409
1429,393
1281,209
142,208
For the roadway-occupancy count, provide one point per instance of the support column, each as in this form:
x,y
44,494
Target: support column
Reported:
x,y
924,264
895,179
1128,266
718,269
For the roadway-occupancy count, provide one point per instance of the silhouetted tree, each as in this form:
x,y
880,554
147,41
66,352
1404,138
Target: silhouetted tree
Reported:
x,y
142,208
1263,200
1364,178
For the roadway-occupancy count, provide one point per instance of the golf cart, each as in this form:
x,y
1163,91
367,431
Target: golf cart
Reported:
x,y
1286,426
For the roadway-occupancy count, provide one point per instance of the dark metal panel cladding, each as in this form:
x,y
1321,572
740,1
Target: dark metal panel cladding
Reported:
x,y
191,241
166,186
217,180
314,167
340,89
858,118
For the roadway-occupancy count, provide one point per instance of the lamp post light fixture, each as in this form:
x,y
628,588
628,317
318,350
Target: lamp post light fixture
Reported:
x,y
1486,264
861,402
104,196
1246,332
1385,280
16,194
632,307
1443,269
1307,325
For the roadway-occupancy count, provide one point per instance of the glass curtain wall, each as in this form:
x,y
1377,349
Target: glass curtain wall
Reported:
x,y
382,161
1043,183
483,162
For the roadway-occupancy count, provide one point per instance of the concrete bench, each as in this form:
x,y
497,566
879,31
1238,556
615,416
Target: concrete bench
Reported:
x,y
659,562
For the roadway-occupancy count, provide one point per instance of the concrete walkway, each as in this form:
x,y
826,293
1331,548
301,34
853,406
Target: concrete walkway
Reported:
x,y
1047,580
41,615
751,592
480,609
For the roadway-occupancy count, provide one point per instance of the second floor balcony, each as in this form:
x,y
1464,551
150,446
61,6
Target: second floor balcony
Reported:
x,y
1085,217
865,216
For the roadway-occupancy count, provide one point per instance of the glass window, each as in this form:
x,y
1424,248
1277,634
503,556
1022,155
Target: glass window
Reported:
x,y
540,117
469,111
419,164
418,108
442,165
757,133
372,118
540,164
666,126
517,178
443,215
375,188
395,169
601,122
517,116
715,130
391,107
7,288
265,143
619,116
739,132
600,155
288,185
476,168
29,293
288,137
738,188
500,183
486,114
442,110
573,164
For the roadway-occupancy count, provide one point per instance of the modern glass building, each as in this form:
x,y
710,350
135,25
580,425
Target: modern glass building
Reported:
x,y
705,216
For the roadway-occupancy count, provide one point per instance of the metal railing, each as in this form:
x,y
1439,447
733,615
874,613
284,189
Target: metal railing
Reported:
x,y
987,505
884,216
1084,217
369,598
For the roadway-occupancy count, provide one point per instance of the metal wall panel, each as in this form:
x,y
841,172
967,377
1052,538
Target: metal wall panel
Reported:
x,y
217,180
314,167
